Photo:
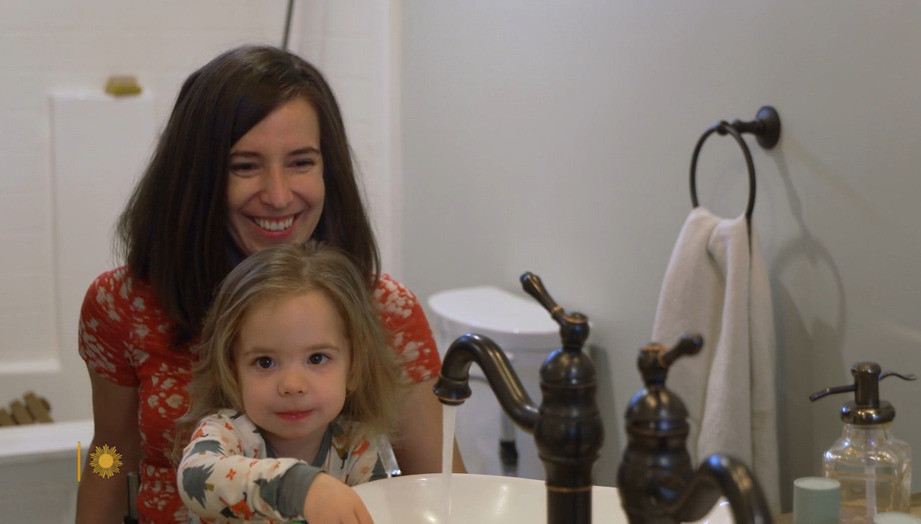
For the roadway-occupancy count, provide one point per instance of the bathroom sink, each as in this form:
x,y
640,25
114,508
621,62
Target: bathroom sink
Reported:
x,y
484,499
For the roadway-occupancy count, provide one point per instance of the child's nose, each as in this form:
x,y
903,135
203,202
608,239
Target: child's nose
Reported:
x,y
292,383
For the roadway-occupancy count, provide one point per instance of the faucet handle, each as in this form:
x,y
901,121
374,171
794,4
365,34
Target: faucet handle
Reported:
x,y
573,327
534,286
654,359
688,344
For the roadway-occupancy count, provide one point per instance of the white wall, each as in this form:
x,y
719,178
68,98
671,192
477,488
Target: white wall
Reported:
x,y
76,46
52,46
556,137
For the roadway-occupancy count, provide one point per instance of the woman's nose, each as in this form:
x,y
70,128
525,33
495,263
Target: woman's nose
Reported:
x,y
276,189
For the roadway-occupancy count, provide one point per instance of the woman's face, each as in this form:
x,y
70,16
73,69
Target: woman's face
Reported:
x,y
275,192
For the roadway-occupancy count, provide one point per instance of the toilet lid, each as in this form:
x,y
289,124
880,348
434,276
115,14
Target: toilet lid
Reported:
x,y
514,322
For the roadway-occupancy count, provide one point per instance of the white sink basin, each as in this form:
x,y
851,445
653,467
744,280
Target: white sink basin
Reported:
x,y
484,499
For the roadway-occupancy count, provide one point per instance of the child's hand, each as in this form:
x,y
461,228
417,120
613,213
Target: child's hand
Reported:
x,y
330,501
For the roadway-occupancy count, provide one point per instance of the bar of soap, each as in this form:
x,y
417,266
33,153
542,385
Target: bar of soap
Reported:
x,y
123,85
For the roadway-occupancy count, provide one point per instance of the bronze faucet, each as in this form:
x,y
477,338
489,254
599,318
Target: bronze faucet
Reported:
x,y
656,480
566,426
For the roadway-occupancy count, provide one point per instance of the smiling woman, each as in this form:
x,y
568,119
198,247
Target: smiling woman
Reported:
x,y
275,191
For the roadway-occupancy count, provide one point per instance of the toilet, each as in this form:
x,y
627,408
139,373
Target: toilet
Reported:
x,y
527,334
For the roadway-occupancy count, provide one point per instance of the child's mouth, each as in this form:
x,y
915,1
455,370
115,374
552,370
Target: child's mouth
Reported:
x,y
293,415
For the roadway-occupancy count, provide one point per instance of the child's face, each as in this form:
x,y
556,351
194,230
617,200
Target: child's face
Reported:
x,y
292,360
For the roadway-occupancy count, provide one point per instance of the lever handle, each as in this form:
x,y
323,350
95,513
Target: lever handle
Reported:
x,y
654,360
533,286
573,328
688,344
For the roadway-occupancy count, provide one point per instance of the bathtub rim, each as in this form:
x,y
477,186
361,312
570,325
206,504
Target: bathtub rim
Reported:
x,y
48,441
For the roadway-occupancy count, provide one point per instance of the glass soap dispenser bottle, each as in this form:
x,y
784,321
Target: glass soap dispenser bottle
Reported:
x,y
873,467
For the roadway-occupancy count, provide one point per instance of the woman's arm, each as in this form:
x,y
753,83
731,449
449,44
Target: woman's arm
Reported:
x,y
418,447
115,415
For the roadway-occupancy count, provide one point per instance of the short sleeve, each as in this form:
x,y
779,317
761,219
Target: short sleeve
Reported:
x,y
410,334
103,336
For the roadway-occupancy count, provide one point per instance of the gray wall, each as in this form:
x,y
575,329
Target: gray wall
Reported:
x,y
556,137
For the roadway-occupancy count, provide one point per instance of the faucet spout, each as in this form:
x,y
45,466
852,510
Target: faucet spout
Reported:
x,y
566,426
453,386
723,475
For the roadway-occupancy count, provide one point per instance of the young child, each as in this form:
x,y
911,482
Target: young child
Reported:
x,y
292,388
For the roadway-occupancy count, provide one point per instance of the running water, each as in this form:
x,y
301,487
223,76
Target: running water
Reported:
x,y
449,415
447,457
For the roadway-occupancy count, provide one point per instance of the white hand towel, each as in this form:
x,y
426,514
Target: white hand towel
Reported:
x,y
716,286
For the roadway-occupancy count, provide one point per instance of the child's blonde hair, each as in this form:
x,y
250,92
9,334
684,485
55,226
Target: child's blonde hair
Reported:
x,y
282,272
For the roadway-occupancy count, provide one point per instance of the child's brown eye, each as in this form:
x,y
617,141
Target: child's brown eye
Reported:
x,y
264,362
317,358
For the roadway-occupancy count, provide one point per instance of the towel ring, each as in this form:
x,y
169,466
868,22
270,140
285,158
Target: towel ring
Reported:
x,y
724,128
767,128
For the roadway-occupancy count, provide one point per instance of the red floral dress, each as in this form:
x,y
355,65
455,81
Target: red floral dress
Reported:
x,y
124,336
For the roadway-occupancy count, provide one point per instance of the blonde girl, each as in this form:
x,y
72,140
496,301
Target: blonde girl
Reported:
x,y
292,388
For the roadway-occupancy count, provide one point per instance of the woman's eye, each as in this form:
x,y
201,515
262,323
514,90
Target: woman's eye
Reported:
x,y
264,362
244,168
317,358
303,164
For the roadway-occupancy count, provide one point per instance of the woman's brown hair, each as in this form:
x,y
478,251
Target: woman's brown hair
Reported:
x,y
174,232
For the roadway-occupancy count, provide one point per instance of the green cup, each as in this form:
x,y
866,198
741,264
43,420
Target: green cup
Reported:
x,y
816,500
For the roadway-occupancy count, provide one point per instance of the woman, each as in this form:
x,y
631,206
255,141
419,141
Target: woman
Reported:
x,y
254,155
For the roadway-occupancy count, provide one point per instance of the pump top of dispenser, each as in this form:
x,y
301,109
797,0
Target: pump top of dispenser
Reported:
x,y
866,408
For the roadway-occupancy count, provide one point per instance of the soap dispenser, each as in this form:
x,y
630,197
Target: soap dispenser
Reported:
x,y
873,467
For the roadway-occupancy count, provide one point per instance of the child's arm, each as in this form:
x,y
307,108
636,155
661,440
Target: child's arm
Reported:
x,y
330,500
217,480
220,477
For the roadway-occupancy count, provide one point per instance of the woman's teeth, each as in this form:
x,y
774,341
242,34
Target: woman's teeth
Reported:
x,y
274,225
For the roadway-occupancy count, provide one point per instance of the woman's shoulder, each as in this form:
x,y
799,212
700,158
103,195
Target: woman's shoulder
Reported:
x,y
118,307
120,282
394,298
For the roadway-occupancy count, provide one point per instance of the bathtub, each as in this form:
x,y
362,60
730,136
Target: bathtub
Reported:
x,y
38,470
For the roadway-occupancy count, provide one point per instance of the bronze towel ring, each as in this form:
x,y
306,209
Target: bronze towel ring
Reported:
x,y
766,127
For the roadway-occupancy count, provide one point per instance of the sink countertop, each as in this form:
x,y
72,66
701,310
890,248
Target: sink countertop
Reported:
x,y
914,509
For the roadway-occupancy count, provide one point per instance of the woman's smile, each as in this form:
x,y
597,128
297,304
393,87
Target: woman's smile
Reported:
x,y
275,224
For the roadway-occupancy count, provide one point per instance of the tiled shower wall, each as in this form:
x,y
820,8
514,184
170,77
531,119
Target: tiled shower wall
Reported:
x,y
50,45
